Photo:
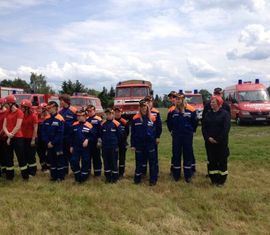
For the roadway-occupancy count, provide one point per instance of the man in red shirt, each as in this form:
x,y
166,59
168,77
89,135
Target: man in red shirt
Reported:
x,y
12,128
29,131
3,137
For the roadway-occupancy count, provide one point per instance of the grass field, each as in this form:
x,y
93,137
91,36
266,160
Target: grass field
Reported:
x,y
242,206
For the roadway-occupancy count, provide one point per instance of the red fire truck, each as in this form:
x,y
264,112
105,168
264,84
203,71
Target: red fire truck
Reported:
x,y
4,91
129,93
195,99
80,100
249,102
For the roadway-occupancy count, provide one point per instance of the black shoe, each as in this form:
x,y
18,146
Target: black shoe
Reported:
x,y
188,180
137,182
152,183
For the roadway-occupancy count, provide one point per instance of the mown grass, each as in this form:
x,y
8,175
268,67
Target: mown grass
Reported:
x,y
241,207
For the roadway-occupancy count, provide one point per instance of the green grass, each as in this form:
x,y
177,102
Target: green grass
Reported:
x,y
241,207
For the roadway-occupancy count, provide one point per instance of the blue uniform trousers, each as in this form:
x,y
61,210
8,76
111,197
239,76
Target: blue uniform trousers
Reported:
x,y
57,162
182,144
81,171
95,158
66,155
141,156
110,159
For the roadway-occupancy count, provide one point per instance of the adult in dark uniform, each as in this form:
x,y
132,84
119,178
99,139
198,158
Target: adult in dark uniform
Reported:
x,y
215,129
68,112
207,107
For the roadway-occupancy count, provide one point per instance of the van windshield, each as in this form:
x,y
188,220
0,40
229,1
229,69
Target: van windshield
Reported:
x,y
82,101
19,98
192,99
253,96
132,91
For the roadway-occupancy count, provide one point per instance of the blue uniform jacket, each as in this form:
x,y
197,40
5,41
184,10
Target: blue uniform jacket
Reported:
x,y
158,122
80,132
124,131
110,133
53,131
143,132
180,124
96,123
69,115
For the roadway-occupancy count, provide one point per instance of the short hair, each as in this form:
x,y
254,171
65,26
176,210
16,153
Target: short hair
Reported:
x,y
217,91
54,103
65,98
90,106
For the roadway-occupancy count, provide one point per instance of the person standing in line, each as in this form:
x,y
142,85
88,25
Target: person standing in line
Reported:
x,y
110,134
68,112
123,140
12,128
182,122
29,131
80,137
158,127
41,145
53,135
143,142
3,137
172,98
215,129
94,151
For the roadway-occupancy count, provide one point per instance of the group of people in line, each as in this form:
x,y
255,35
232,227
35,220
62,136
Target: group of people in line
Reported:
x,y
65,138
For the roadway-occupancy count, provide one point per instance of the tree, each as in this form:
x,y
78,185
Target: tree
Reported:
x,y
206,95
165,101
38,84
158,102
105,98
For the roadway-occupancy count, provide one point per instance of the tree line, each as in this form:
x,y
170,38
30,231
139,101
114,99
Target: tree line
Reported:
x,y
38,84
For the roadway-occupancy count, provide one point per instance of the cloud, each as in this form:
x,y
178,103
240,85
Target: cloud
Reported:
x,y
252,5
201,69
254,44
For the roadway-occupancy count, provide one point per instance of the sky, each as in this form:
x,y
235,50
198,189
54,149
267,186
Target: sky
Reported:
x,y
175,44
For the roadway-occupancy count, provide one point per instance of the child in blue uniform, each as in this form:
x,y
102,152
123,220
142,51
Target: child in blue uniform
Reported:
x,y
110,134
82,134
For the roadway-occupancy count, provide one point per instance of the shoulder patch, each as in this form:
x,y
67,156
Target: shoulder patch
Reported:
x,y
88,124
73,109
154,110
75,123
59,117
190,108
98,118
171,109
116,123
123,121
136,116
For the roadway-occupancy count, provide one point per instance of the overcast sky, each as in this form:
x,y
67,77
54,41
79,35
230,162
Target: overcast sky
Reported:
x,y
176,44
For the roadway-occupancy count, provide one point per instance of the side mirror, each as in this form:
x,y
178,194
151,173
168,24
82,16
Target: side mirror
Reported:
x,y
151,92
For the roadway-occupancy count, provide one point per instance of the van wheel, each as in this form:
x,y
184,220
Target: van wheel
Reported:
x,y
239,121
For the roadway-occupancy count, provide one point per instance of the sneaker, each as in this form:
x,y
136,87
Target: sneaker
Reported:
x,y
188,180
152,183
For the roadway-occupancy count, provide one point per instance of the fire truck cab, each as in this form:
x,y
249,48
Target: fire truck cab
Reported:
x,y
36,99
129,93
249,102
195,99
81,100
